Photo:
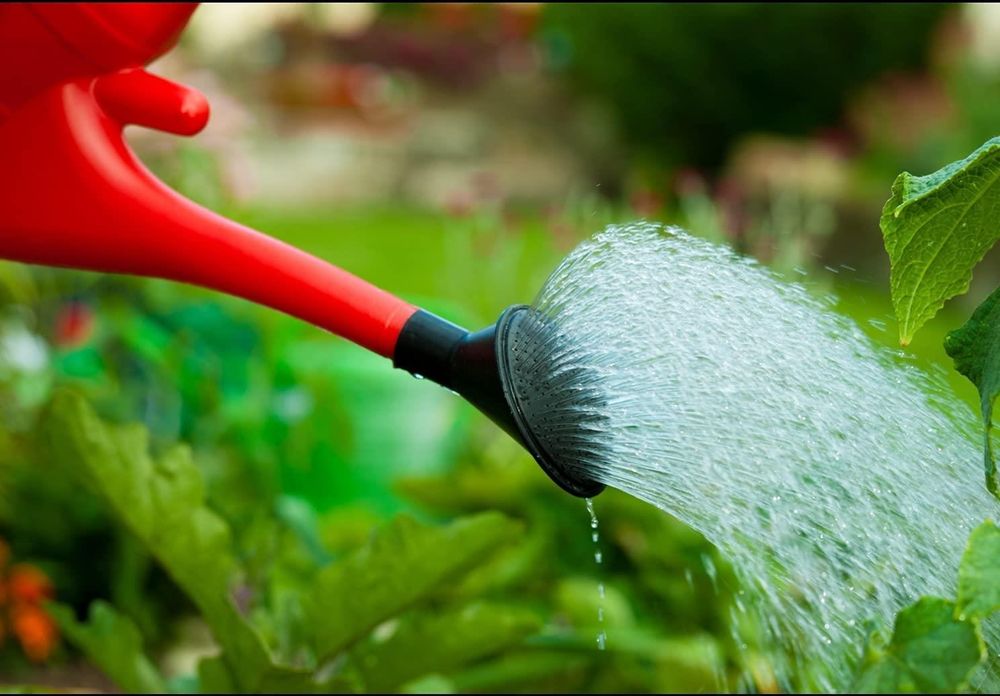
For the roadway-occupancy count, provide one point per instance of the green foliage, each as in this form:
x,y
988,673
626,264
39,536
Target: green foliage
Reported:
x,y
403,563
686,79
112,642
161,501
667,600
444,641
930,652
936,228
979,573
975,348
936,645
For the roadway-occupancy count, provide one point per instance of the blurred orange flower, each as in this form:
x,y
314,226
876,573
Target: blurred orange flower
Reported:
x,y
26,584
23,590
35,630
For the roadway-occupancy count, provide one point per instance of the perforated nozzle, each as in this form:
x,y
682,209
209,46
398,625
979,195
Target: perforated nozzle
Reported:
x,y
479,367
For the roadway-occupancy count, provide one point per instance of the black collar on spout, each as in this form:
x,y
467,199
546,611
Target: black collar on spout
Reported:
x,y
475,365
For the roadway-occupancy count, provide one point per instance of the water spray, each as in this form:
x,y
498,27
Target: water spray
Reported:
x,y
73,194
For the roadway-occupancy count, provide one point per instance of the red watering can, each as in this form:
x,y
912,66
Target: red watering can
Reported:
x,y
73,194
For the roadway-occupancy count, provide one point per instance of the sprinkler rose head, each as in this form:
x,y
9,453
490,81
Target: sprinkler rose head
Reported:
x,y
488,368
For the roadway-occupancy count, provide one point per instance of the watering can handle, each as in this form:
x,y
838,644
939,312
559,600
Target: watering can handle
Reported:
x,y
73,194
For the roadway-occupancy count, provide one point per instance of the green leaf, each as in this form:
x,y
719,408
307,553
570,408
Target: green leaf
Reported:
x,y
975,348
404,562
112,642
430,684
936,228
162,502
979,573
443,642
931,651
520,671
214,676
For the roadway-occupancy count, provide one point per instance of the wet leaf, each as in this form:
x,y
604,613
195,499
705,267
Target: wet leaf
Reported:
x,y
975,348
403,563
112,642
936,228
931,651
979,573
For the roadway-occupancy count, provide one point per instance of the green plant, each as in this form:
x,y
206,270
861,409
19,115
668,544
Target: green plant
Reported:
x,y
937,644
353,623
936,229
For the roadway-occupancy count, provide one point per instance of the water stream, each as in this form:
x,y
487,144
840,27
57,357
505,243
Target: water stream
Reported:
x,y
595,536
839,480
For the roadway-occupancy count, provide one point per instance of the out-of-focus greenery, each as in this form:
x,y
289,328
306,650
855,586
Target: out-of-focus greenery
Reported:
x,y
268,627
685,80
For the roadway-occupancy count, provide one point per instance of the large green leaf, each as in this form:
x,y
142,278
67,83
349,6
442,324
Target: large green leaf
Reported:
x,y
936,228
403,563
975,348
931,651
162,502
112,642
979,573
438,643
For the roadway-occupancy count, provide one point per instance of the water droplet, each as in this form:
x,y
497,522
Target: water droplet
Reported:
x,y
598,559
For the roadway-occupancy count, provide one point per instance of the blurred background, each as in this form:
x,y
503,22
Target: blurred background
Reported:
x,y
453,153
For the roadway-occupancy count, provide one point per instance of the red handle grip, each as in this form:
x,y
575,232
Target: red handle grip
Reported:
x,y
73,194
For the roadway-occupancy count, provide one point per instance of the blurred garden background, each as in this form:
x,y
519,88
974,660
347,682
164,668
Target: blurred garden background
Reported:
x,y
453,153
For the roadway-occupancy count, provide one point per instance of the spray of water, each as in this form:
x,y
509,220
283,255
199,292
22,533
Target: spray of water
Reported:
x,y
840,481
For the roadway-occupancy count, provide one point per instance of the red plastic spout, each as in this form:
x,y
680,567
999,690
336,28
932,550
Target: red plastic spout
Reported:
x,y
73,194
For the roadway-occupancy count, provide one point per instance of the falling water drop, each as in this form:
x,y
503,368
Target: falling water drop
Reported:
x,y
602,637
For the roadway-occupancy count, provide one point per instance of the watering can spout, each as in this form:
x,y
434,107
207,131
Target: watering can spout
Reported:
x,y
479,366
